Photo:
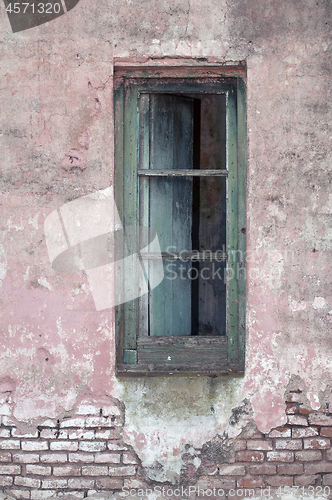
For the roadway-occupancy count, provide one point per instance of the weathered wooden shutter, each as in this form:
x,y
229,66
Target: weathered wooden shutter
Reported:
x,y
166,207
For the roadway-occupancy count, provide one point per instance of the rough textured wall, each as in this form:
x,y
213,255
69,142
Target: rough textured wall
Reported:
x,y
56,140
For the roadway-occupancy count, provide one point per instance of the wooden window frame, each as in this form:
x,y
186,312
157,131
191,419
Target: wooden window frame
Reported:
x,y
191,355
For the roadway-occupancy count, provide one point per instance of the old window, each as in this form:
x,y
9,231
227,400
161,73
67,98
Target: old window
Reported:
x,y
180,171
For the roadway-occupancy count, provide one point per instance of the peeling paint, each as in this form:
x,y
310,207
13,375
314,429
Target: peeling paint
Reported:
x,y
58,352
3,263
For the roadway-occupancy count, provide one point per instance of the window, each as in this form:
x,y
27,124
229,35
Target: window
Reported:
x,y
180,152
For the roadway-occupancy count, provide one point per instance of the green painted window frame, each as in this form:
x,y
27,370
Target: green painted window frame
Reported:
x,y
149,356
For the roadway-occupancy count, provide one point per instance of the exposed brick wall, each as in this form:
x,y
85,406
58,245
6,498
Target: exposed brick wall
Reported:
x,y
297,455
85,454
80,455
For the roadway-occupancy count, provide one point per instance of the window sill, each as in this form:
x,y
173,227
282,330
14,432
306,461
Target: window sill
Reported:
x,y
183,355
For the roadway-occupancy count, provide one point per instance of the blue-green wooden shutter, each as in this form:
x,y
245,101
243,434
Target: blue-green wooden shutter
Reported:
x,y
166,205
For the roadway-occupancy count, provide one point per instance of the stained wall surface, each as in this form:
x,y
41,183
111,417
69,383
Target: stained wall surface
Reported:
x,y
269,428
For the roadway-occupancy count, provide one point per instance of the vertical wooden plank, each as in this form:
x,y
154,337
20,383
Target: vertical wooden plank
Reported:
x,y
144,159
212,214
118,194
183,119
130,214
161,204
232,228
242,156
171,140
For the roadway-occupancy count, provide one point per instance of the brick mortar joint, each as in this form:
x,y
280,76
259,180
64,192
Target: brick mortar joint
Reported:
x,y
274,442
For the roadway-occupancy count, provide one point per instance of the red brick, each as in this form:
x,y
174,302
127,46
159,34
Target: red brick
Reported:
x,y
21,494
290,469
213,471
95,470
240,444
280,456
110,459
279,481
54,483
116,446
327,480
92,446
81,457
326,431
280,433
317,443
6,481
73,422
42,494
34,445
305,480
109,483
5,457
289,444
255,444
54,458
10,469
53,434
81,483
304,432
291,409
10,444
297,420
67,470
249,456
64,445
308,456
263,469
128,470
319,419
40,470
81,434
104,433
26,458
98,422
329,455
304,411
27,481
250,482
318,468
128,458
232,470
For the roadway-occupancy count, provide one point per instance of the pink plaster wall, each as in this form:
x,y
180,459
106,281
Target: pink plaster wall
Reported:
x,y
56,105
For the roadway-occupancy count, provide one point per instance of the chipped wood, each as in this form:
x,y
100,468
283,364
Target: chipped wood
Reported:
x,y
182,173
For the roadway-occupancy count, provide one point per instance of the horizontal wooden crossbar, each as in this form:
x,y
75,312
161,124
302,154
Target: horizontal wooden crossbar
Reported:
x,y
195,256
184,172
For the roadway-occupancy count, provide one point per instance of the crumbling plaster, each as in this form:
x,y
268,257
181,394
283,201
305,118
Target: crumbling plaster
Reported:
x,y
56,145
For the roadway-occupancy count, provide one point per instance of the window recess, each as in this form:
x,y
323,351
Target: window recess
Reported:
x,y
180,170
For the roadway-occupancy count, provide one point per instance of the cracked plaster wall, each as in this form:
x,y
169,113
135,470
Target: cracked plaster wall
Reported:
x,y
56,136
